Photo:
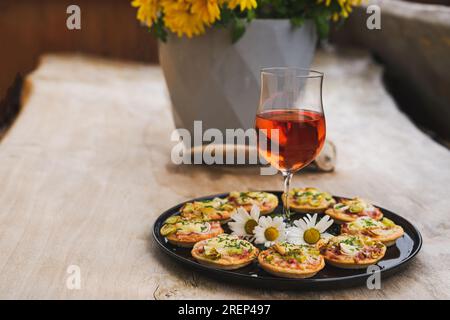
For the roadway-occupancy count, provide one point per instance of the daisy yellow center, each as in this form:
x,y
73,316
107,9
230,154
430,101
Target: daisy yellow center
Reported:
x,y
311,236
271,234
250,226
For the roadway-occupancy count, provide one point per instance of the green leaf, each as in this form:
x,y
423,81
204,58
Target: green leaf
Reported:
x,y
297,21
322,25
226,16
159,30
237,30
161,34
250,15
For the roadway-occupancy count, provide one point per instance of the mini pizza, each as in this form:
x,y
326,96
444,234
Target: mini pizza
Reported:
x,y
225,251
348,210
291,261
352,251
309,200
267,202
185,233
384,230
216,209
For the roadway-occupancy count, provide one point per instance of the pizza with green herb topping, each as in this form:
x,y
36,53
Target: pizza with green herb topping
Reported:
x,y
225,251
217,209
352,251
384,230
185,233
291,261
309,200
348,210
266,202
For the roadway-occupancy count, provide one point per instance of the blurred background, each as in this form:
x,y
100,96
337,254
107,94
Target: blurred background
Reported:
x,y
413,44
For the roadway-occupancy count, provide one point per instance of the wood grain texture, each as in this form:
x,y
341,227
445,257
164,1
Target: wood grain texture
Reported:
x,y
29,28
85,171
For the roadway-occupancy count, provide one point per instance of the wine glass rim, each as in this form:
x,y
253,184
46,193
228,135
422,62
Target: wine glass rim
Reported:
x,y
310,72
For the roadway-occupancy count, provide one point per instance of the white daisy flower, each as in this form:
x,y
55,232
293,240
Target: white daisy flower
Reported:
x,y
244,223
306,231
270,231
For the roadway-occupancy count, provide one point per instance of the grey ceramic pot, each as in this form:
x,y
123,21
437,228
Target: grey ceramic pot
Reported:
x,y
211,79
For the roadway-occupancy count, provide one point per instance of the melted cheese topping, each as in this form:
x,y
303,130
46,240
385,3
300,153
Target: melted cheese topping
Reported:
x,y
216,203
383,232
305,192
349,249
373,226
226,244
294,256
193,227
354,245
251,197
311,196
207,210
365,223
348,245
345,205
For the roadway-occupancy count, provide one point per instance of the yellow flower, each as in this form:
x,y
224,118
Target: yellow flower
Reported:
x,y
148,10
208,10
244,4
335,17
179,18
345,5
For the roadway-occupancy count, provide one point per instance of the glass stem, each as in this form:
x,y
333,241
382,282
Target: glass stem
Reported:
x,y
287,176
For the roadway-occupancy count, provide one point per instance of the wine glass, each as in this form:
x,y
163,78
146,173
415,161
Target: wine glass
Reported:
x,y
290,121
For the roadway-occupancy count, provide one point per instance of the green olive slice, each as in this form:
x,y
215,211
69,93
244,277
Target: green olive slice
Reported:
x,y
172,219
315,202
388,222
356,208
168,229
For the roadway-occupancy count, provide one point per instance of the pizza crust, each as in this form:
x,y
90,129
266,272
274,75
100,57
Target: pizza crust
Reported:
x,y
391,239
386,240
307,208
224,263
287,272
182,244
195,237
340,217
350,263
221,264
302,208
220,216
273,203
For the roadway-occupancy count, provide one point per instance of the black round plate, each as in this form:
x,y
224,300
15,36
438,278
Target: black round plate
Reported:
x,y
397,257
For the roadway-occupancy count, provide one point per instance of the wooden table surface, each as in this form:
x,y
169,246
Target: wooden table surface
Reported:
x,y
85,171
